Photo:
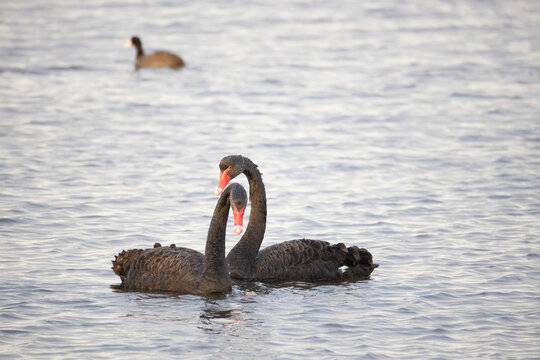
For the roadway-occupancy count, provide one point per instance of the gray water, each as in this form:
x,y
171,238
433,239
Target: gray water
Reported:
x,y
408,128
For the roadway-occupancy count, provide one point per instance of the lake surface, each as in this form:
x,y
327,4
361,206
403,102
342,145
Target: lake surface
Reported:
x,y
409,128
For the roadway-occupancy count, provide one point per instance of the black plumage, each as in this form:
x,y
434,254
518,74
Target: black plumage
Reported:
x,y
183,270
301,260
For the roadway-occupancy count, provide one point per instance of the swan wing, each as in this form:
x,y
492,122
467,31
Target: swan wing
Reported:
x,y
160,269
300,260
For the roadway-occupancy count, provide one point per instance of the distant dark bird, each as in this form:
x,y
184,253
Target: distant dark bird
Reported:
x,y
300,260
157,59
183,270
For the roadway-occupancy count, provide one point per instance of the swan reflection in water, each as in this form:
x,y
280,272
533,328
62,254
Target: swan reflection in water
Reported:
x,y
236,313
231,313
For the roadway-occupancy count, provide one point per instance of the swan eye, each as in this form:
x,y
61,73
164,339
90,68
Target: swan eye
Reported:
x,y
223,167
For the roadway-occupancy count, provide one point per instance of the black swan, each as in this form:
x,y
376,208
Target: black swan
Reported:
x,y
183,270
302,260
157,59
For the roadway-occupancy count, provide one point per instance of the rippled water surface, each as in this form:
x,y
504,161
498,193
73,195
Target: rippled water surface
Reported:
x,y
408,128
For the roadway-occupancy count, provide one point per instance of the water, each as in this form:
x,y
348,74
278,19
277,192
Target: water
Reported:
x,y
411,129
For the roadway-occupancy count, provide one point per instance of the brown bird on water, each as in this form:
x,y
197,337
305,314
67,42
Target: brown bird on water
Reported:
x,y
157,59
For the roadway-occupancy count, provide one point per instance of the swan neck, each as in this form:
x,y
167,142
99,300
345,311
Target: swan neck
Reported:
x,y
214,254
242,256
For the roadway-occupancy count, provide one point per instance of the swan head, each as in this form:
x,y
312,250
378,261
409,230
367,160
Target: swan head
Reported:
x,y
229,167
239,201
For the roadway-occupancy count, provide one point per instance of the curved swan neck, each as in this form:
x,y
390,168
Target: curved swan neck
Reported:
x,y
243,254
257,196
257,193
214,253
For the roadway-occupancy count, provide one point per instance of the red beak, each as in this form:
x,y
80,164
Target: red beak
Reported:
x,y
223,181
238,219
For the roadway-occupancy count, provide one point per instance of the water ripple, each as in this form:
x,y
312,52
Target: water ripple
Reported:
x,y
409,130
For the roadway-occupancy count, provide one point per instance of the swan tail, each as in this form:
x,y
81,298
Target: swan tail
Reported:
x,y
356,255
360,263
122,262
